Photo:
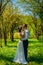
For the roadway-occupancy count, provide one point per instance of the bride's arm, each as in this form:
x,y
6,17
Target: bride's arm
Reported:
x,y
22,34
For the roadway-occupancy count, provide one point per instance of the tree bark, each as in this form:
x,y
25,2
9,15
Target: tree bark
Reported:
x,y
12,30
5,37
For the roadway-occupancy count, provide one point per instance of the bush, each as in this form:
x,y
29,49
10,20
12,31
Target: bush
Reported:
x,y
16,35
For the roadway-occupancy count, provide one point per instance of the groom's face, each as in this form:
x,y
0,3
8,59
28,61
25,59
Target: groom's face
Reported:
x,y
25,26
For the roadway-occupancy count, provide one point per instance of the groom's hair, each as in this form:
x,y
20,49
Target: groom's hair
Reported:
x,y
25,25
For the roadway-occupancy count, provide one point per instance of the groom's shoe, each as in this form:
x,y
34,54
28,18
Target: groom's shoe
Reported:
x,y
27,60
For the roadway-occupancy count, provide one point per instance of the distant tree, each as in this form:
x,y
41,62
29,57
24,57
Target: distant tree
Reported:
x,y
36,7
3,4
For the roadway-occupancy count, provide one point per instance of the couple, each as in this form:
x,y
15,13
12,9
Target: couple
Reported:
x,y
21,53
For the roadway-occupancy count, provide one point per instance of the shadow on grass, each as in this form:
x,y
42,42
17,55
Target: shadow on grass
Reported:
x,y
37,59
6,58
35,41
10,42
11,46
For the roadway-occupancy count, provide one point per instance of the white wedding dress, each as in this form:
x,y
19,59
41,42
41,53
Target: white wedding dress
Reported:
x,y
19,56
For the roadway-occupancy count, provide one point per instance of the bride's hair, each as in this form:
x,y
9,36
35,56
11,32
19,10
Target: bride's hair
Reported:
x,y
20,29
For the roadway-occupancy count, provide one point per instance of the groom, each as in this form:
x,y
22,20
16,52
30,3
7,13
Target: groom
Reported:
x,y
25,40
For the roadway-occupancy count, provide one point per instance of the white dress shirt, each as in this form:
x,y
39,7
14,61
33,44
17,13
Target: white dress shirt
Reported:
x,y
26,35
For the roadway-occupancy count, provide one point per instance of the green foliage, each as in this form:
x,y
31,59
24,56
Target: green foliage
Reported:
x,y
11,17
36,7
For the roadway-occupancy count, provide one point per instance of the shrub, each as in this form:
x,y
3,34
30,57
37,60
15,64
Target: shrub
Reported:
x,y
16,35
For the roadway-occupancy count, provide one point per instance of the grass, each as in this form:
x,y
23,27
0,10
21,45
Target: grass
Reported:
x,y
35,52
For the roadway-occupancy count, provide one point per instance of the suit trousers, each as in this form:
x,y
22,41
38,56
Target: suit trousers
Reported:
x,y
25,45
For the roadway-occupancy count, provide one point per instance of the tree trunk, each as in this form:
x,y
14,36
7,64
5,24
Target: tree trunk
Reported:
x,y
12,30
5,37
12,38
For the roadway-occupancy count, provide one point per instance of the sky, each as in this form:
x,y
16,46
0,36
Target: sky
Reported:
x,y
22,10
20,6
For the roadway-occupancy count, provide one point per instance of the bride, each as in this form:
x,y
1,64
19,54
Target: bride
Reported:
x,y
19,56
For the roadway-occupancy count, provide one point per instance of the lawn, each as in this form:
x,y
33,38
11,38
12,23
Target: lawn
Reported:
x,y
35,52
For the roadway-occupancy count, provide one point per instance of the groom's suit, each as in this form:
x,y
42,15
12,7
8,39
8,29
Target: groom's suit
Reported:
x,y
25,43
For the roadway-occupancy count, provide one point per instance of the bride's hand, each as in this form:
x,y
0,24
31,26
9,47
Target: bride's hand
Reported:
x,y
22,35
